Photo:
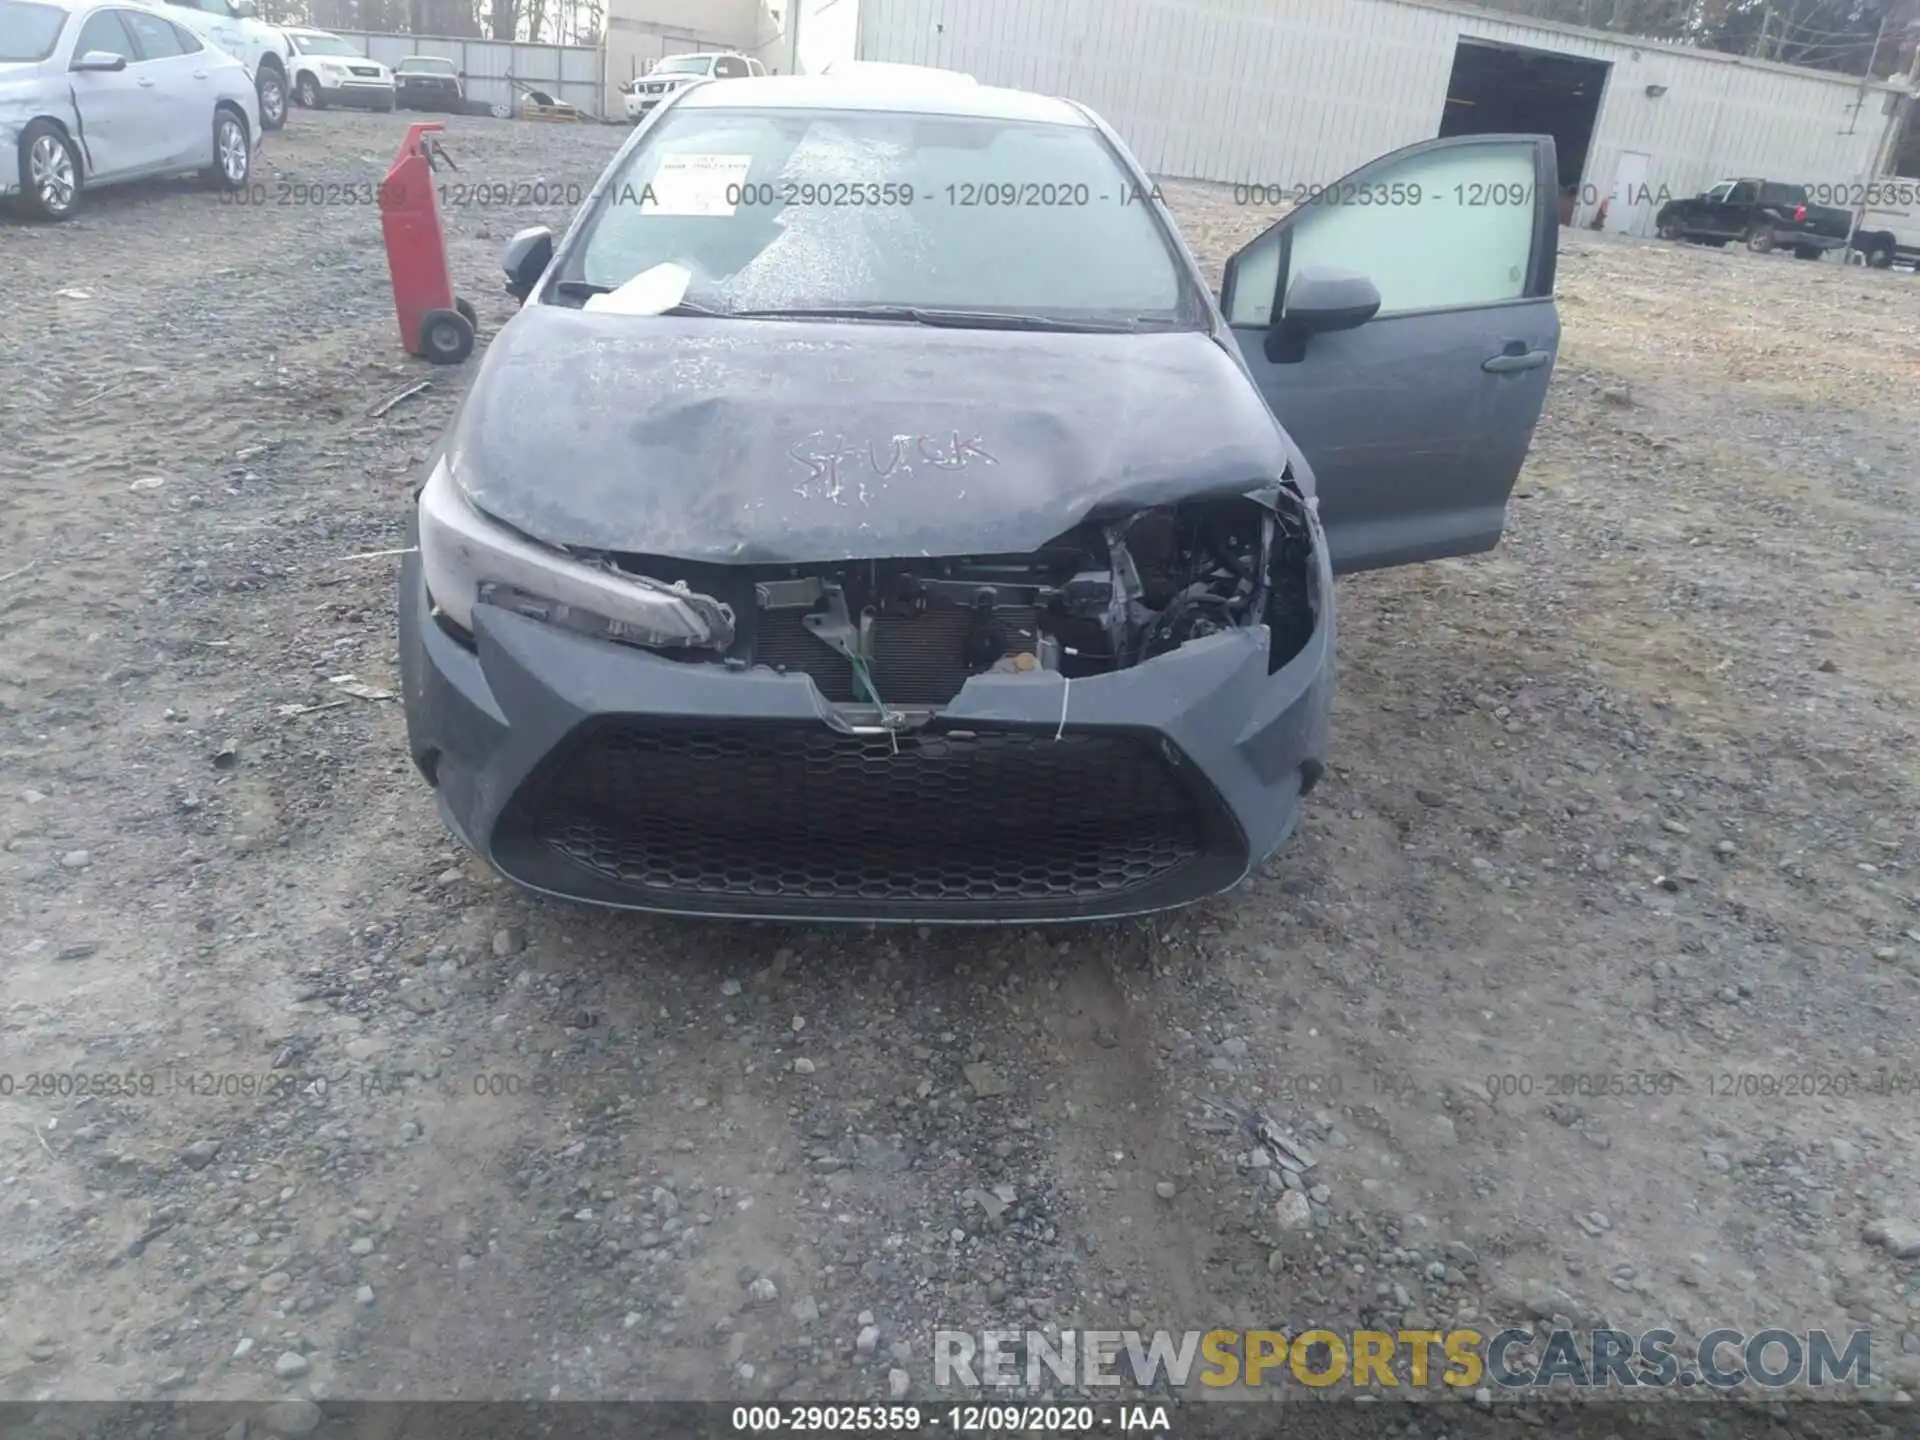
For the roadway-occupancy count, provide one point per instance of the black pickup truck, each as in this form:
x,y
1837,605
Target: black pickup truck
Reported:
x,y
1761,214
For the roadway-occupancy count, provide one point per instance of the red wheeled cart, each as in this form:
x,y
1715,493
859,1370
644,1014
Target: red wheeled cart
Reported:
x,y
434,322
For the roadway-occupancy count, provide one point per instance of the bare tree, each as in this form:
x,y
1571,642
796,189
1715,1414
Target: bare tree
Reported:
x,y
1841,35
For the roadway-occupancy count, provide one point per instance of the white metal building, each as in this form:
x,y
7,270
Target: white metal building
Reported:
x,y
1302,91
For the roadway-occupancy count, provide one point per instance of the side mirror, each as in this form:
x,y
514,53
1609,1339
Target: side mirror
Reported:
x,y
104,60
460,75
1321,300
528,255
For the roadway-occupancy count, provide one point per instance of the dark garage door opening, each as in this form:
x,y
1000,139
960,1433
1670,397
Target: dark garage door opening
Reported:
x,y
1503,89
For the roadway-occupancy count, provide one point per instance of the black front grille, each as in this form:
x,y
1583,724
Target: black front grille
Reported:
x,y
783,818
371,70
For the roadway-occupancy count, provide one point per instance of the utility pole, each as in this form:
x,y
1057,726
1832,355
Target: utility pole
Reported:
x,y
1873,56
1879,161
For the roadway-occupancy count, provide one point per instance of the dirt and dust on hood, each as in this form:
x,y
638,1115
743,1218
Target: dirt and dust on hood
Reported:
x,y
789,442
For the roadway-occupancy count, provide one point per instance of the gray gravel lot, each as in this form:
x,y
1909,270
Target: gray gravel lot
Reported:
x,y
1631,800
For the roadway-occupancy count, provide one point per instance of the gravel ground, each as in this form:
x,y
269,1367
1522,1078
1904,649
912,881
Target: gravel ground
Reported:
x,y
1633,796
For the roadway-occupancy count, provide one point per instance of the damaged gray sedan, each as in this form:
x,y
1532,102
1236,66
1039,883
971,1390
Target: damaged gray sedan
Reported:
x,y
871,515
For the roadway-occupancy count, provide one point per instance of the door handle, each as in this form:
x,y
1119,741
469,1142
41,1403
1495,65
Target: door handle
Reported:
x,y
199,74
146,83
1508,364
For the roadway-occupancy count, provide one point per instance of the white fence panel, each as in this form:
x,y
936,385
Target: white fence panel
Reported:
x,y
569,73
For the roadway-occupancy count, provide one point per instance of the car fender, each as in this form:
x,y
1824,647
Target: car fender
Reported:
x,y
59,107
261,42
234,86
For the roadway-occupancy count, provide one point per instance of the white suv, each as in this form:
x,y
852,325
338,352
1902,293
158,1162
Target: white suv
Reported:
x,y
235,26
330,71
675,72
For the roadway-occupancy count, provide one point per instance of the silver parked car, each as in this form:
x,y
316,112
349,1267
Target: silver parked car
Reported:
x,y
93,94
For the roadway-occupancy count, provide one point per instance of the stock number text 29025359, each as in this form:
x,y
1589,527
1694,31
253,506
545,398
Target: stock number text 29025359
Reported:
x,y
879,194
1362,194
370,195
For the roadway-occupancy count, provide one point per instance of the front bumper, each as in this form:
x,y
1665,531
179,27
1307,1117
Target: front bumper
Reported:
x,y
428,97
606,774
375,93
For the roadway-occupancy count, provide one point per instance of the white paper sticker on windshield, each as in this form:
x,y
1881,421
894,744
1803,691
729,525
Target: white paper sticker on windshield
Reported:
x,y
649,293
696,185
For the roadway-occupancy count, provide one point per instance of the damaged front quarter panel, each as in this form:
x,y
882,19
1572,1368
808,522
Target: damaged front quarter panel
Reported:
x,y
1233,562
1121,588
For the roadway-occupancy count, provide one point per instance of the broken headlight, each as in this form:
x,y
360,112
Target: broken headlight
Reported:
x,y
468,558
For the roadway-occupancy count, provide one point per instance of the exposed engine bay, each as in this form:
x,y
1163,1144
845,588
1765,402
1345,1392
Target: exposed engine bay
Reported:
x,y
895,635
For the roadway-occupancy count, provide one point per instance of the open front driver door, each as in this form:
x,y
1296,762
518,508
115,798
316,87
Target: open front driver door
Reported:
x,y
1402,328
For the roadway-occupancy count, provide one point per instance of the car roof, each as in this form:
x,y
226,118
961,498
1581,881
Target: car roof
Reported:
x,y
888,69
71,6
891,93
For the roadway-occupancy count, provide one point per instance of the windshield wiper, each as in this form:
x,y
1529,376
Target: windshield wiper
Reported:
x,y
951,319
912,314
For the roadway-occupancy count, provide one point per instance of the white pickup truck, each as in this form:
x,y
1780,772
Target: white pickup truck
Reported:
x,y
1889,229
235,26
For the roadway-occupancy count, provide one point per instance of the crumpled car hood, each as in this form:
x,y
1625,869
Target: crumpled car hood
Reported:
x,y
772,442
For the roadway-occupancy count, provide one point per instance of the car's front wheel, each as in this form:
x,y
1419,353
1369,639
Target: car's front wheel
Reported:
x,y
232,152
1670,230
1760,240
49,172
271,85
307,91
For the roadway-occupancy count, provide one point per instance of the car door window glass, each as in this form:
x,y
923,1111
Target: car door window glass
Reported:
x,y
1718,194
153,35
1743,193
728,68
189,42
104,32
1434,231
